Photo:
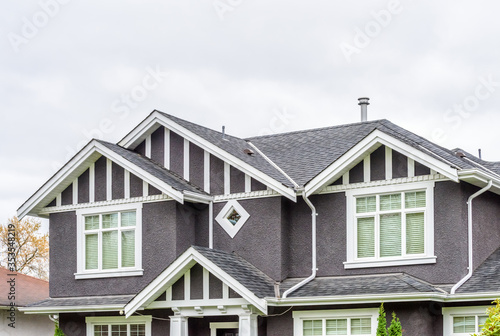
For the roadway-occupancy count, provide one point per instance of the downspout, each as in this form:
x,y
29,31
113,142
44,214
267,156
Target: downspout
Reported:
x,y
314,269
469,222
211,224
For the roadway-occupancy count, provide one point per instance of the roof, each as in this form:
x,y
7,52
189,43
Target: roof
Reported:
x,y
167,176
305,154
486,277
83,301
234,146
241,270
28,288
399,283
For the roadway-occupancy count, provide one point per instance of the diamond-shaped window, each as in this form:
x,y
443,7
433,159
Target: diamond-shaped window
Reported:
x,y
232,217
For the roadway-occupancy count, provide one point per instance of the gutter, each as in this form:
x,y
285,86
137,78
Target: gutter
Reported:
x,y
470,245
314,268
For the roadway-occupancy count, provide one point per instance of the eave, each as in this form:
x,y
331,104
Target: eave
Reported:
x,y
156,119
80,162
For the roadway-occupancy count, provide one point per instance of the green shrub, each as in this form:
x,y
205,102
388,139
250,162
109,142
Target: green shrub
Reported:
x,y
382,322
58,331
395,327
492,325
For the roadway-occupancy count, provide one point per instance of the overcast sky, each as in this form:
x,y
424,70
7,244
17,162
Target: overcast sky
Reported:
x,y
71,70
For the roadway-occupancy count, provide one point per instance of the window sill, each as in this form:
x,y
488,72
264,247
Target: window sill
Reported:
x,y
389,262
109,274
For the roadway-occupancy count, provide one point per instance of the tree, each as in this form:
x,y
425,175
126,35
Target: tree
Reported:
x,y
395,327
58,331
382,322
24,249
492,325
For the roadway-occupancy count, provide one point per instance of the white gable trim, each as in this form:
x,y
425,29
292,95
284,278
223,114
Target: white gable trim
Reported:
x,y
77,165
366,146
154,119
177,269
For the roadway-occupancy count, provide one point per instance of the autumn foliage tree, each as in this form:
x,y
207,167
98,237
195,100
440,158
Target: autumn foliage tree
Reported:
x,y
28,247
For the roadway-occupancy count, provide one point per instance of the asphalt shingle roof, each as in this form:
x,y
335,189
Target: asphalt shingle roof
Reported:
x,y
399,283
305,154
83,301
167,176
486,278
241,270
234,146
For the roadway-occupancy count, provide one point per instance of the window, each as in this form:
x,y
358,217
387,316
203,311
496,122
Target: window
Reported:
x,y
109,242
119,326
390,225
461,321
335,322
232,217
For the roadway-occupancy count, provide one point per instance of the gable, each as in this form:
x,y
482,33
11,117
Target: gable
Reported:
x,y
194,281
199,288
105,181
218,164
391,159
103,172
383,164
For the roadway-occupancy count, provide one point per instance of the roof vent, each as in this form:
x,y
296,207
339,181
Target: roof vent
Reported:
x,y
248,151
364,102
224,133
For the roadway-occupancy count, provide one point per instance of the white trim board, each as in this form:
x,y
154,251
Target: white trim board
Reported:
x,y
77,165
365,147
156,119
177,269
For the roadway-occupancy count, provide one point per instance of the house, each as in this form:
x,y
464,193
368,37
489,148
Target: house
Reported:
x,y
20,290
182,230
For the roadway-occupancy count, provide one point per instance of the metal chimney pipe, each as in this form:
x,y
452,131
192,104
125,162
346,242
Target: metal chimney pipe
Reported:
x,y
364,102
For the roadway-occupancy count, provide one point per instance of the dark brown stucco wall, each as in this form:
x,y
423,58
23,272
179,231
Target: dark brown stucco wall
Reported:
x,y
356,173
259,240
118,181
83,187
141,148
196,165
450,242
158,251
196,275
67,195
100,179
237,180
486,222
377,164
176,153
257,186
216,176
399,165
158,145
135,186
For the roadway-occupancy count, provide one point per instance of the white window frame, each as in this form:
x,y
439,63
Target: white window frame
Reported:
x,y
221,218
91,321
137,270
300,316
222,325
426,258
450,312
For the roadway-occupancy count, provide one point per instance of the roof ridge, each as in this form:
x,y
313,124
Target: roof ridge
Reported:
x,y
174,118
313,129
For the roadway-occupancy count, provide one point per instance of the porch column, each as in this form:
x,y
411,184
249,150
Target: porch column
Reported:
x,y
178,325
248,325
